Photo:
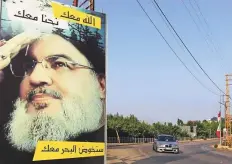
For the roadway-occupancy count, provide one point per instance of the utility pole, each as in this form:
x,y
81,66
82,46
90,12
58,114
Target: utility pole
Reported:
x,y
87,4
227,112
75,3
222,104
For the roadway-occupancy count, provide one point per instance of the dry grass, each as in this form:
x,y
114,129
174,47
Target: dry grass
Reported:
x,y
124,155
221,147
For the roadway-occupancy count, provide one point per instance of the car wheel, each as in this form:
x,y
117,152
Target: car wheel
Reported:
x,y
177,152
156,150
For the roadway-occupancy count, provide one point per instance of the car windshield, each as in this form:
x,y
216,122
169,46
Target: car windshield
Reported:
x,y
166,138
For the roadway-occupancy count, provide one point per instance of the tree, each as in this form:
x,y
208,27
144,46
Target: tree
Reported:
x,y
180,122
115,122
144,128
131,126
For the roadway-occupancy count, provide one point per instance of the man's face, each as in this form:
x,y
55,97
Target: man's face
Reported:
x,y
64,81
57,102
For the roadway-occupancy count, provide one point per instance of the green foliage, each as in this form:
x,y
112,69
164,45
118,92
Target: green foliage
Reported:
x,y
206,129
131,126
180,122
216,146
115,123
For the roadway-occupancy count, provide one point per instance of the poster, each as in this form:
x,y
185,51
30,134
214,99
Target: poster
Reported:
x,y
52,83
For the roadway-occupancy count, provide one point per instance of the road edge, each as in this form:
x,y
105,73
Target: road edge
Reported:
x,y
131,144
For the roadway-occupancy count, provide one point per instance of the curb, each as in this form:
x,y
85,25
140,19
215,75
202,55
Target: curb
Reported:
x,y
198,140
221,148
128,144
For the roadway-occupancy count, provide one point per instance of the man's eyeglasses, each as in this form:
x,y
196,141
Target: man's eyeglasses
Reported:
x,y
56,64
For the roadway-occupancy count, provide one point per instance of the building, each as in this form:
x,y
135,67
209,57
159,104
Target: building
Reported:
x,y
191,130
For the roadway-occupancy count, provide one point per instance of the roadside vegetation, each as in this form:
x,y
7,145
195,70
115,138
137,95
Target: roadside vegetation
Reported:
x,y
130,126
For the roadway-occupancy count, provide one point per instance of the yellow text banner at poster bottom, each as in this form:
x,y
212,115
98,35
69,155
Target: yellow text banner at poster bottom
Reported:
x,y
74,15
51,150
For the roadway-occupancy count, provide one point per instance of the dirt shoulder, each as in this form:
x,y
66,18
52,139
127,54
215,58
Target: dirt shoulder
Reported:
x,y
124,155
222,148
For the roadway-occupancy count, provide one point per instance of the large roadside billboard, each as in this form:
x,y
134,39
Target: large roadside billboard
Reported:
x,y
52,85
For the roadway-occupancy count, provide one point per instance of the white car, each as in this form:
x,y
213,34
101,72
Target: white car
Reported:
x,y
166,143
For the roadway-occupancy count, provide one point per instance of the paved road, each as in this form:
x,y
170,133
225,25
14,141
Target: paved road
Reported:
x,y
191,153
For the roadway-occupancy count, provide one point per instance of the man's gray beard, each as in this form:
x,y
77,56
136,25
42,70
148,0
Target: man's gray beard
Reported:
x,y
78,115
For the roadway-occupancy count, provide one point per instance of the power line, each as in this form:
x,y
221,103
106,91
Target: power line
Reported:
x,y
195,11
205,22
187,48
169,28
207,37
201,14
173,50
207,34
198,28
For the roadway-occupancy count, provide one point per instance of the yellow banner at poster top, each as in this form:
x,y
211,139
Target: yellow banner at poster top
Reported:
x,y
51,150
70,14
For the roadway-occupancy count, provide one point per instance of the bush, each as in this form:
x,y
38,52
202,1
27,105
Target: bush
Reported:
x,y
216,146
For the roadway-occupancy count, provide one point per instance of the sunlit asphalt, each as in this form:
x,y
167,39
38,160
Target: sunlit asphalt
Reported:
x,y
190,153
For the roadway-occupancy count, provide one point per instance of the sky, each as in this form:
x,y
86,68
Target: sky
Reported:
x,y
145,78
